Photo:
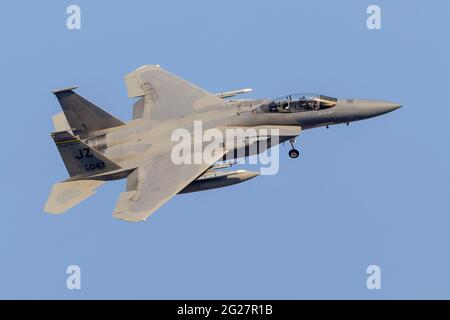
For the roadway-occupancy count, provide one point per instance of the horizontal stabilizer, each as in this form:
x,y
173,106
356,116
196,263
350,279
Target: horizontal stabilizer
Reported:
x,y
66,195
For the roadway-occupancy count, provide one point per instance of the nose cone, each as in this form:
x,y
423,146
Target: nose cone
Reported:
x,y
363,109
380,107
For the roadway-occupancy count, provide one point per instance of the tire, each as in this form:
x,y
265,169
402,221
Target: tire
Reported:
x,y
294,153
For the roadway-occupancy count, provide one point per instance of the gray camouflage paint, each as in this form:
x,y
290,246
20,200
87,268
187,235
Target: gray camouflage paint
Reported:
x,y
140,149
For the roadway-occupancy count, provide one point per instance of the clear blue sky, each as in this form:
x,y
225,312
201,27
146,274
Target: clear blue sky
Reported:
x,y
376,192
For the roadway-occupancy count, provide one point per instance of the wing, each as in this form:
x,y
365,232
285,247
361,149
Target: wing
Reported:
x,y
170,103
154,183
160,178
166,96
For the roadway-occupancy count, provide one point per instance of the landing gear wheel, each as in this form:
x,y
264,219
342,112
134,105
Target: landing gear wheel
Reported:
x,y
294,153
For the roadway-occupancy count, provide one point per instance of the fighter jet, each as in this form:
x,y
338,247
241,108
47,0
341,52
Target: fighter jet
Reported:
x,y
97,147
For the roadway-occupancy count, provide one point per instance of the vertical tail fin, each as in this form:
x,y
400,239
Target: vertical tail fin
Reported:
x,y
82,115
80,159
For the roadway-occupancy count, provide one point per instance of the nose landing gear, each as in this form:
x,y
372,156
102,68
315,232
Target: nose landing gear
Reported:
x,y
293,153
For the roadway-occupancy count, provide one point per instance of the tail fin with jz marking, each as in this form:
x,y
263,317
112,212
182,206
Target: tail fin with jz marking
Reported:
x,y
80,159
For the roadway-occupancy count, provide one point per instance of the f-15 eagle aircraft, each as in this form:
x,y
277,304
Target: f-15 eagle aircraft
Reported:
x,y
97,147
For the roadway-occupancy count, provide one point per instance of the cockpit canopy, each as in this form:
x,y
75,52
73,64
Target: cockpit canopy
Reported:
x,y
301,102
